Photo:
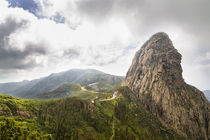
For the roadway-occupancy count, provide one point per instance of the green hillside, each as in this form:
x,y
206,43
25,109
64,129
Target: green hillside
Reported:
x,y
75,118
72,90
29,89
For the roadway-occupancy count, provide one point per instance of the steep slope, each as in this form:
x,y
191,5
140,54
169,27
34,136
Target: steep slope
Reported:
x,y
207,94
156,77
86,76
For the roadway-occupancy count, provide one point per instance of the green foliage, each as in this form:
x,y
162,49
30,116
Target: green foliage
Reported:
x,y
71,118
75,118
136,122
18,119
70,90
10,106
21,129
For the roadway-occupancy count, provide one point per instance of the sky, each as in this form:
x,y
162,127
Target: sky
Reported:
x,y
40,37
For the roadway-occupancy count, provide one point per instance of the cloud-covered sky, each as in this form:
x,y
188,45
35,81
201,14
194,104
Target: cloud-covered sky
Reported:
x,y
39,37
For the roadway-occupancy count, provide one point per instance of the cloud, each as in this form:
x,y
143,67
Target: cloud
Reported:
x,y
12,57
102,34
10,26
187,23
96,9
70,53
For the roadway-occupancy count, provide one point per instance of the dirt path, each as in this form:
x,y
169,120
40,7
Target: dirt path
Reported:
x,y
83,88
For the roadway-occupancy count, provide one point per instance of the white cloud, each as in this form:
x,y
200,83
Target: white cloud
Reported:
x,y
94,45
105,34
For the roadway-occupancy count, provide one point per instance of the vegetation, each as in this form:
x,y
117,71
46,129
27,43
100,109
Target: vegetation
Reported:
x,y
18,119
29,89
73,90
75,118
67,90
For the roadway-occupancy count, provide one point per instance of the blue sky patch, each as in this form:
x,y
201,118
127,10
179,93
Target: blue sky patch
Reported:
x,y
33,7
29,5
58,18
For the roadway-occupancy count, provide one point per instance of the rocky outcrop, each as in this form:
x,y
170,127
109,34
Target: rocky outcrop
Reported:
x,y
156,77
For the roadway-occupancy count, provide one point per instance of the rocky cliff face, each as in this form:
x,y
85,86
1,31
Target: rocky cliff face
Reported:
x,y
156,77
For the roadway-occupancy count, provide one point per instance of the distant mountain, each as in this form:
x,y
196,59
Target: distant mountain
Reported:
x,y
207,94
12,86
62,91
70,90
28,89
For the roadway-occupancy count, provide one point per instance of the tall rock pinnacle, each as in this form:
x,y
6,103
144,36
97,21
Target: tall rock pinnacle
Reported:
x,y
156,77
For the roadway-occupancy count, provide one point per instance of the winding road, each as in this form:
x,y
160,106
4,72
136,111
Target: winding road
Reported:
x,y
113,97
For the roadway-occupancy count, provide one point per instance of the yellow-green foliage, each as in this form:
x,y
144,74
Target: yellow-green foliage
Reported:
x,y
18,119
10,106
20,129
75,118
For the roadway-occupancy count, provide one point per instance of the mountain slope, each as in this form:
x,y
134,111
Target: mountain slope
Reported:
x,y
70,90
11,87
45,84
207,94
156,77
73,118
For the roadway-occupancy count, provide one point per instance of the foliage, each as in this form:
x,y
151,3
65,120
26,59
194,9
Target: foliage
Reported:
x,y
20,129
75,118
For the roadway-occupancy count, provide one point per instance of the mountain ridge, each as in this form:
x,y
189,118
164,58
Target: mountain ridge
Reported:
x,y
81,76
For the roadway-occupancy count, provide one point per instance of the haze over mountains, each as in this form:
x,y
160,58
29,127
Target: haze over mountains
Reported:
x,y
27,89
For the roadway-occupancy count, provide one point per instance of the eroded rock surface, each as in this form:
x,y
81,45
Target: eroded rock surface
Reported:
x,y
156,77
